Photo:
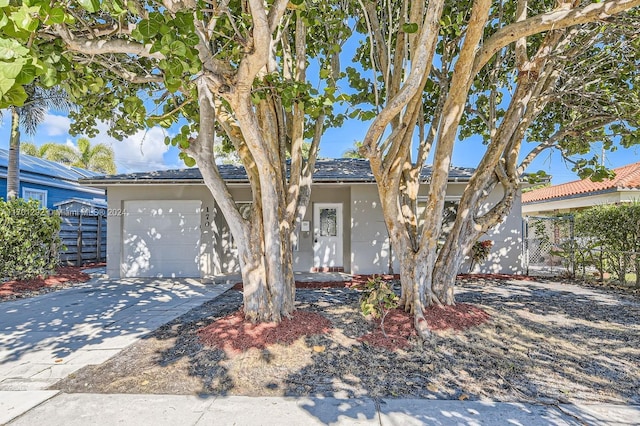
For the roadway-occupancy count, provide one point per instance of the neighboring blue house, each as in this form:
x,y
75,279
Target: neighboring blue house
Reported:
x,y
49,182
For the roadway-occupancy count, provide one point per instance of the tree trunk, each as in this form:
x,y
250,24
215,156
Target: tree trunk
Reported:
x,y
413,280
268,293
13,167
450,259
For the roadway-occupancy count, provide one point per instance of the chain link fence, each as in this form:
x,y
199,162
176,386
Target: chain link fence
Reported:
x,y
548,245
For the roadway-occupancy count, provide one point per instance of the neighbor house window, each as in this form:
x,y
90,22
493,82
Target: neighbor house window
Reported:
x,y
35,194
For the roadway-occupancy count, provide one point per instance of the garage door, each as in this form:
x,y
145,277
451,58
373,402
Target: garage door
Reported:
x,y
161,238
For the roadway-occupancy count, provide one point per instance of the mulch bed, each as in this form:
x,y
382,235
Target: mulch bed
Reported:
x,y
540,342
64,277
398,324
235,335
356,281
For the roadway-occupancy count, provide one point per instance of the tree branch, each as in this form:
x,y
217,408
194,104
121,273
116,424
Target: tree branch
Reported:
x,y
100,47
556,19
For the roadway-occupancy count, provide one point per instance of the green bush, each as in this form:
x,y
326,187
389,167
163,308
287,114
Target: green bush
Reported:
x,y
377,299
29,239
608,238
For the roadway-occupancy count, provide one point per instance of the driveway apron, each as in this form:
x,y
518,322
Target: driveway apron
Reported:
x,y
45,338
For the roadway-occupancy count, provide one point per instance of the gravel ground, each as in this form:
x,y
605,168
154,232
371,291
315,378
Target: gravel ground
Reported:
x,y
545,342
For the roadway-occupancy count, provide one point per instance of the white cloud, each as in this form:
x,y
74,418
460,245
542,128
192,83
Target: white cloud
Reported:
x,y
140,152
55,125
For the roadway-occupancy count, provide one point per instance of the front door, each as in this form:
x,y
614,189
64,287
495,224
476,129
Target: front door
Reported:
x,y
327,235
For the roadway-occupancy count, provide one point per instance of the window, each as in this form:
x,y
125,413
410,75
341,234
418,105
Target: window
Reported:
x,y
328,223
35,194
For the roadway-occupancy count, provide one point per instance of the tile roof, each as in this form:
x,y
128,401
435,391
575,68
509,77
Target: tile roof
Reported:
x,y
627,177
327,171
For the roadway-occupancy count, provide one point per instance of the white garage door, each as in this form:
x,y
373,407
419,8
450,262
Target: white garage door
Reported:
x,y
161,238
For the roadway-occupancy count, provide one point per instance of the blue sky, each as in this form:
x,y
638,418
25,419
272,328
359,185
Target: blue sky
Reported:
x,y
146,150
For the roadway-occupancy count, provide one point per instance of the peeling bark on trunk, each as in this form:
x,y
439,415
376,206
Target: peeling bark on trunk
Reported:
x,y
262,242
267,296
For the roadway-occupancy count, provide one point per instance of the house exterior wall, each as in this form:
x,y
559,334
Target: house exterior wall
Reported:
x,y
365,239
369,238
370,242
303,254
506,254
54,195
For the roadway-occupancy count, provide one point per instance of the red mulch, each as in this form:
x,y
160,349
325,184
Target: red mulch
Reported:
x,y
63,275
235,335
314,284
496,277
359,281
399,328
399,324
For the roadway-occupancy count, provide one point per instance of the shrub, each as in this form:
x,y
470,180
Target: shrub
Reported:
x,y
28,239
377,299
480,252
608,238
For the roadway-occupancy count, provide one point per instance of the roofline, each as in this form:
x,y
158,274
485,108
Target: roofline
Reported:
x,y
65,185
573,196
84,201
105,183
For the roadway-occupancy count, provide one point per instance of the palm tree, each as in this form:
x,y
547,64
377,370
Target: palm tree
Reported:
x,y
29,148
29,116
59,153
98,157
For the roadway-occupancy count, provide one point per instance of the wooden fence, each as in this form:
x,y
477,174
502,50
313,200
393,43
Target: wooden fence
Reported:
x,y
85,238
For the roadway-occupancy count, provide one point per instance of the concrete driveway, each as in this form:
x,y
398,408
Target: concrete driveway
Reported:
x,y
45,338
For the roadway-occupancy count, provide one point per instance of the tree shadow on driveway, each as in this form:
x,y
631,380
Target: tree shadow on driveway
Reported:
x,y
100,315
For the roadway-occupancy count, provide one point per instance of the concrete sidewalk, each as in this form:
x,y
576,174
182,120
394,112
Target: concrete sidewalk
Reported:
x,y
94,409
45,338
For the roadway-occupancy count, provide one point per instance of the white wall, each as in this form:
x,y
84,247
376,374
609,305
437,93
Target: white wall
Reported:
x,y
369,237
506,254
366,242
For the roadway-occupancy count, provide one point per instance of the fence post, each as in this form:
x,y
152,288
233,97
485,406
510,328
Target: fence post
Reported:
x,y
79,242
99,239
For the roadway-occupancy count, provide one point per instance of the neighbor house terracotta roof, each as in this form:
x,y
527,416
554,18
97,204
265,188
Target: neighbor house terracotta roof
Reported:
x,y
627,177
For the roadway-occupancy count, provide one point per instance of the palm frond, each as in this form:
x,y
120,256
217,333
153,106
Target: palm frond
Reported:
x,y
29,148
39,101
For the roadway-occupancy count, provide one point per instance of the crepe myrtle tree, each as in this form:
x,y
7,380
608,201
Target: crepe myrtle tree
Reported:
x,y
434,70
222,70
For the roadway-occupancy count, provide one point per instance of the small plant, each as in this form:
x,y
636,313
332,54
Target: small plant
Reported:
x,y
377,299
480,252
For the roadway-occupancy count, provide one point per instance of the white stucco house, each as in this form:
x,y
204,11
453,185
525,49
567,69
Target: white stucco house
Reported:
x,y
166,223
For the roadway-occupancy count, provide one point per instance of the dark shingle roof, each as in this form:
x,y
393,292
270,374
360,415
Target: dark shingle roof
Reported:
x,y
327,171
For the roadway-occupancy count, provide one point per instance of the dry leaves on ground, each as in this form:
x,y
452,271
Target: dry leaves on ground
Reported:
x,y
542,342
